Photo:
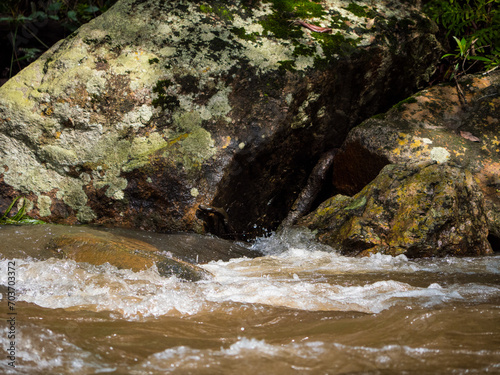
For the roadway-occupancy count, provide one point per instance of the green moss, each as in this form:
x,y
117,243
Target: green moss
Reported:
x,y
379,116
220,10
204,8
303,50
240,32
409,100
360,11
357,10
164,100
299,8
288,65
357,203
280,23
332,44
153,61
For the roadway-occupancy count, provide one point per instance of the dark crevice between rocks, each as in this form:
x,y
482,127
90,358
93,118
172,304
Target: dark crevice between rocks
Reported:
x,y
494,242
355,167
261,185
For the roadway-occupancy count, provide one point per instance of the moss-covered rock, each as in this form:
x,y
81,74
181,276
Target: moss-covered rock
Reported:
x,y
432,125
156,107
423,209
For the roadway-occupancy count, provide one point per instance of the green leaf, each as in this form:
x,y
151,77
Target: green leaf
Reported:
x,y
91,9
72,16
38,15
29,220
479,58
7,211
21,212
54,7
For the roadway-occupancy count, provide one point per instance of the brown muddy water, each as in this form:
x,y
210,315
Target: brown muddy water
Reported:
x,y
299,309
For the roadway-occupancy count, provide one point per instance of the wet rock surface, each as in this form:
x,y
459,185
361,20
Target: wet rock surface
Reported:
x,y
432,125
155,108
172,254
420,210
123,253
191,247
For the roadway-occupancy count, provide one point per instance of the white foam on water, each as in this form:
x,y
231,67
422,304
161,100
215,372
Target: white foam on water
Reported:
x,y
296,273
314,296
48,352
56,283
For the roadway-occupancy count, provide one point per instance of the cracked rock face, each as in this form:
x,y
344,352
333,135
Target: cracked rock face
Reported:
x,y
156,107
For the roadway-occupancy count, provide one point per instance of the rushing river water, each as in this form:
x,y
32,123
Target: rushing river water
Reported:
x,y
299,309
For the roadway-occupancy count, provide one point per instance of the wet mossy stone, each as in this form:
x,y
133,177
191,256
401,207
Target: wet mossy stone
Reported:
x,y
420,210
432,124
123,253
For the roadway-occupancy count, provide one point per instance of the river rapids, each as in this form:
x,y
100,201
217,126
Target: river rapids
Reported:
x,y
300,309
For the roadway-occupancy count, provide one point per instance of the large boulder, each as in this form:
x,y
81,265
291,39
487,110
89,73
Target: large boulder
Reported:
x,y
422,209
157,107
434,124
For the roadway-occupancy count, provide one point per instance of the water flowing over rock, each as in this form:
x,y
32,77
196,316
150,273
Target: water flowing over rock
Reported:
x,y
158,107
123,253
433,124
418,210
172,254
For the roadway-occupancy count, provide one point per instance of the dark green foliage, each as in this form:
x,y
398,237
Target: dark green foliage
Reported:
x,y
299,8
409,100
280,23
18,218
287,65
33,26
475,28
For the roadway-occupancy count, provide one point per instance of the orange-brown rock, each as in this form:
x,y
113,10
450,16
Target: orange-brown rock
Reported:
x,y
432,125
122,252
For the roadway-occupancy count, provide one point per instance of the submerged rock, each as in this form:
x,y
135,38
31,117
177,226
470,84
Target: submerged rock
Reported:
x,y
122,252
136,250
191,247
157,107
432,125
418,210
